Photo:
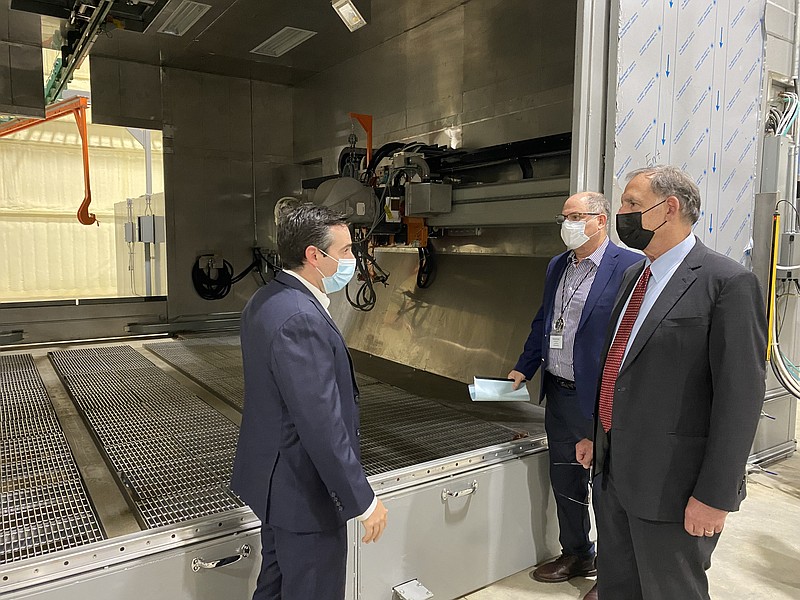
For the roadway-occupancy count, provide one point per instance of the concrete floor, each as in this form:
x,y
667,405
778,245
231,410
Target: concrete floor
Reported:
x,y
758,556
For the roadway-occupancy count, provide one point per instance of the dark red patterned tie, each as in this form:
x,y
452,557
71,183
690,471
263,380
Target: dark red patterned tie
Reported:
x,y
617,350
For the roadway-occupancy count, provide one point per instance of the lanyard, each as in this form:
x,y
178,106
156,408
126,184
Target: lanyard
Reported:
x,y
559,324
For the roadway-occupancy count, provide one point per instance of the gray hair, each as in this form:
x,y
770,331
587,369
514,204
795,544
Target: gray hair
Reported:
x,y
304,226
597,203
666,180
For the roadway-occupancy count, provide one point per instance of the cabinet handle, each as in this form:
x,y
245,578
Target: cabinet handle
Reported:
x,y
767,416
199,563
447,494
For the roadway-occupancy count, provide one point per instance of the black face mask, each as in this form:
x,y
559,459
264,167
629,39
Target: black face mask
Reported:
x,y
631,232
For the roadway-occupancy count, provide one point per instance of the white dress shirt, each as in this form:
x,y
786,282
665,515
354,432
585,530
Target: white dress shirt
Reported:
x,y
321,296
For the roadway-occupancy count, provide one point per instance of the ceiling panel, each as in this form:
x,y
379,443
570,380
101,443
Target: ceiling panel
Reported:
x,y
221,41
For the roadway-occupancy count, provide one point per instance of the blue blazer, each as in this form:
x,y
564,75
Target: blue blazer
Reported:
x,y
592,328
298,460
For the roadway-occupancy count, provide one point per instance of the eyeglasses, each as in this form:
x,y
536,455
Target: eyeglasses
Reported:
x,y
576,216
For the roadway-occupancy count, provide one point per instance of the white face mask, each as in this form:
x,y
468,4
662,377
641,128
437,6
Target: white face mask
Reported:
x,y
344,273
574,234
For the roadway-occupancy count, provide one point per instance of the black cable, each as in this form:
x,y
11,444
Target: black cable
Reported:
x,y
274,267
216,288
253,265
365,296
382,152
380,213
796,214
426,273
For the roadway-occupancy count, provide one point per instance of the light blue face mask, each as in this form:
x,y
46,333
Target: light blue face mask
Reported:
x,y
344,273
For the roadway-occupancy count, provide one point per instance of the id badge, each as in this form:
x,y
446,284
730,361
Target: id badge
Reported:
x,y
557,342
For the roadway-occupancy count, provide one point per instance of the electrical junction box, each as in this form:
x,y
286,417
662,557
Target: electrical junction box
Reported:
x,y
428,199
151,229
775,163
411,590
130,233
405,159
788,256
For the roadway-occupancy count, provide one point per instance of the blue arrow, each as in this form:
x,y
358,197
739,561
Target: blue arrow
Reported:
x,y
670,3
711,223
714,166
664,135
667,65
720,37
717,100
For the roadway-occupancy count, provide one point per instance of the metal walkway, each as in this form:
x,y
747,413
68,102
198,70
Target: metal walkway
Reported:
x,y
215,363
44,506
172,452
398,429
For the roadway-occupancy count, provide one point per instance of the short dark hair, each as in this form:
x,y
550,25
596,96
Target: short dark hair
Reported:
x,y
304,226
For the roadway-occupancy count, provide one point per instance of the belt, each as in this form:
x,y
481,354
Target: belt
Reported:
x,y
561,382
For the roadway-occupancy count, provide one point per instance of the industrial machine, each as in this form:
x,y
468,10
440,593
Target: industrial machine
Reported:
x,y
409,194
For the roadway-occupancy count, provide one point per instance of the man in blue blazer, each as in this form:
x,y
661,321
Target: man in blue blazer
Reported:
x,y
298,459
566,340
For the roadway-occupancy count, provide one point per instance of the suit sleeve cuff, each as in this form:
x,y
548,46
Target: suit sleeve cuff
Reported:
x,y
367,513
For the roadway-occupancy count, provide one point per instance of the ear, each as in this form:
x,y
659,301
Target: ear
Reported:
x,y
673,206
602,220
311,255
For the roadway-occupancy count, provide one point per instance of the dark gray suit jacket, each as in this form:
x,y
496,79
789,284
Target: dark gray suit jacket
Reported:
x,y
689,394
298,460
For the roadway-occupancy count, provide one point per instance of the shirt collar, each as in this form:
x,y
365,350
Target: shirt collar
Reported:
x,y
596,256
321,297
667,262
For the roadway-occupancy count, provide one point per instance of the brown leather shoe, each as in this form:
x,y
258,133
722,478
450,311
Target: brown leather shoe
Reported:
x,y
563,568
591,594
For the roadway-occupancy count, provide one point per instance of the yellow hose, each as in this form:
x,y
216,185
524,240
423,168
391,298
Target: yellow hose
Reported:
x,y
773,259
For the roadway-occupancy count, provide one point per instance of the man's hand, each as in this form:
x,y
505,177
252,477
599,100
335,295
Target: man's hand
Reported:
x,y
518,378
375,523
701,519
584,451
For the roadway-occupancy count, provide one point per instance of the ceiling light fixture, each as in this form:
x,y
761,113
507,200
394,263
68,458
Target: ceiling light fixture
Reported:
x,y
184,17
283,41
348,12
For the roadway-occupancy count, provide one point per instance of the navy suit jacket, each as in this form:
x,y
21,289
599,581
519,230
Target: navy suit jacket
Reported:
x,y
592,328
298,460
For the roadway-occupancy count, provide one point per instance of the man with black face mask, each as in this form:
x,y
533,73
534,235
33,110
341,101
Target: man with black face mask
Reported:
x,y
681,391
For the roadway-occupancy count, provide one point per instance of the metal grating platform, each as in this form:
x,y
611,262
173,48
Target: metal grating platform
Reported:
x,y
398,429
44,506
156,434
215,363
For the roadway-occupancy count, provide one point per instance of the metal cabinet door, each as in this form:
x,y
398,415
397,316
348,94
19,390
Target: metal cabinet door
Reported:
x,y
776,429
164,576
454,545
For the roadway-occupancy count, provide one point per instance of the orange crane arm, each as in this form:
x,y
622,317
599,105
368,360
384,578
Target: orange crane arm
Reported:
x,y
366,122
76,106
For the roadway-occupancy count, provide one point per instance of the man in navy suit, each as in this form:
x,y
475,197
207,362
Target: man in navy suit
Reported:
x,y
566,340
298,460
